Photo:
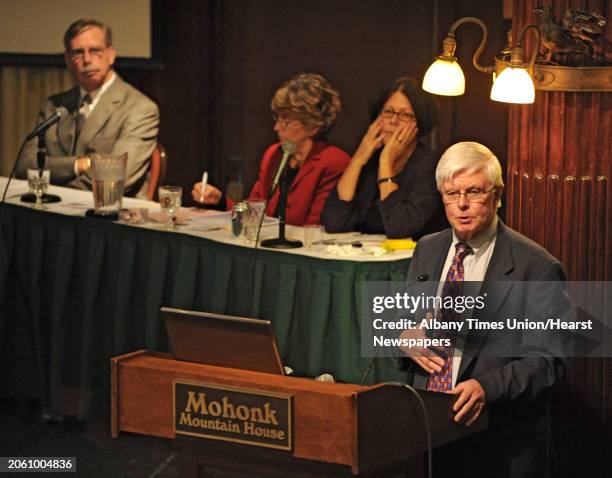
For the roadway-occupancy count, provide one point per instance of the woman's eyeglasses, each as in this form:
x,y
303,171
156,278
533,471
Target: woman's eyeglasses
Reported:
x,y
285,123
405,116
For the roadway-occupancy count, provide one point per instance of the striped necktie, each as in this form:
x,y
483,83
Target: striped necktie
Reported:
x,y
443,381
80,119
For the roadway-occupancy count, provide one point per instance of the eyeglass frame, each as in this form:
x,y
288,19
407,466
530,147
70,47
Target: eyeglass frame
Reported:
x,y
388,113
481,193
283,122
79,53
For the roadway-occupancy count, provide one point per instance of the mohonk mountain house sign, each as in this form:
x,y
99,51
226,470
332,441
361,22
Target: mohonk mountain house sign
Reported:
x,y
253,417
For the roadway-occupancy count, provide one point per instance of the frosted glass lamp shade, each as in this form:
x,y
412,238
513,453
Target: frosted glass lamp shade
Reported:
x,y
445,78
513,85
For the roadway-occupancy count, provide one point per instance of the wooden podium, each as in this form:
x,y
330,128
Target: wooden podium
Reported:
x,y
337,429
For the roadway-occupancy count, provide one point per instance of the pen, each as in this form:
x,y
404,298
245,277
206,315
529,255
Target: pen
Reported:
x,y
203,186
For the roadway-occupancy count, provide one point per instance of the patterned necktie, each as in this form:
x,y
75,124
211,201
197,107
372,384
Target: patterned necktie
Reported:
x,y
443,381
80,119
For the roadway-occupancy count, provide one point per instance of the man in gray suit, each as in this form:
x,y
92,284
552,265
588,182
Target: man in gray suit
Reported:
x,y
513,376
107,115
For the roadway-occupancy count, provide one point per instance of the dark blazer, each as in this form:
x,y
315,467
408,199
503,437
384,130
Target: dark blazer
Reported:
x,y
516,382
413,210
124,120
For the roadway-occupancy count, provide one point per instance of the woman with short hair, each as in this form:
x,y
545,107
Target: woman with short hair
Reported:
x,y
389,186
304,109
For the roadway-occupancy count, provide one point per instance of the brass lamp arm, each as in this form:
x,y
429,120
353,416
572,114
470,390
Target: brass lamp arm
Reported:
x,y
450,43
517,51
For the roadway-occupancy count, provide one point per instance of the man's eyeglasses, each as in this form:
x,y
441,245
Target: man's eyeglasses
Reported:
x,y
405,116
79,54
285,123
472,194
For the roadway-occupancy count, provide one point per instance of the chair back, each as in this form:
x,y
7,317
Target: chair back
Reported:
x,y
157,171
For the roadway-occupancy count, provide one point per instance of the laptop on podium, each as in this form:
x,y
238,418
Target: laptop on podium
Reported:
x,y
222,340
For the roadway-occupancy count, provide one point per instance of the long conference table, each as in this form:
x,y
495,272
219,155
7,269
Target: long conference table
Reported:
x,y
76,291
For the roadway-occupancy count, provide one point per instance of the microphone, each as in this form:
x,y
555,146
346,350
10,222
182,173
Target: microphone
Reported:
x,y
325,377
60,113
424,277
289,149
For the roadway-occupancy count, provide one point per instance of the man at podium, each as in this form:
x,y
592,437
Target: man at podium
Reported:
x,y
479,248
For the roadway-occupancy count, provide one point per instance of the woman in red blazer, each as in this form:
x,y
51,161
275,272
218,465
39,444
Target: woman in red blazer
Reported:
x,y
305,108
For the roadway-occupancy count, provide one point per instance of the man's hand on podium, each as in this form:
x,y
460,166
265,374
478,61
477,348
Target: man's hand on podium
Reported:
x,y
471,401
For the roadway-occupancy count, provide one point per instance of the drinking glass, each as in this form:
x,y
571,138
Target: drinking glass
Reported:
x,y
253,214
38,182
108,182
169,201
312,235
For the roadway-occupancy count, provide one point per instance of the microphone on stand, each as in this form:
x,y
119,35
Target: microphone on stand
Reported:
x,y
41,155
424,277
289,149
60,113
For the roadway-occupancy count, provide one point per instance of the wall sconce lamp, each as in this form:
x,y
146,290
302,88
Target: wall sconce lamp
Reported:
x,y
515,83
445,77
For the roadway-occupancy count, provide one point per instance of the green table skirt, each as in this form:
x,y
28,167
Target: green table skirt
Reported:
x,y
74,292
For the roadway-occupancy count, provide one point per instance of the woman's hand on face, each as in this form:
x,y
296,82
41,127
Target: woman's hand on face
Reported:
x,y
402,138
371,141
210,196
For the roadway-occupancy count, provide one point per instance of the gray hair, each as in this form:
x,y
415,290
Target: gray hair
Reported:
x,y
469,157
76,28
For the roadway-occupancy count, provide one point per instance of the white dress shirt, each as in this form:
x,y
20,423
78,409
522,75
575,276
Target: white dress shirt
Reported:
x,y
88,108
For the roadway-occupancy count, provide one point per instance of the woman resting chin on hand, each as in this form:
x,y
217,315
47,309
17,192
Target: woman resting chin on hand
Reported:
x,y
389,186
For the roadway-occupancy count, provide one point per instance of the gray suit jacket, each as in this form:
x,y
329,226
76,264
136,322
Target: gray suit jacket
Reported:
x,y
124,120
515,386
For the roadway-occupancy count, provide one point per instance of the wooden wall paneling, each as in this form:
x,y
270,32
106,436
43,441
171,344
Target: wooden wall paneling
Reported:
x,y
567,238
601,230
576,160
525,201
538,198
583,224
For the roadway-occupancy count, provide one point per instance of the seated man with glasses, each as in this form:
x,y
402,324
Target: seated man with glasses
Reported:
x,y
389,187
106,115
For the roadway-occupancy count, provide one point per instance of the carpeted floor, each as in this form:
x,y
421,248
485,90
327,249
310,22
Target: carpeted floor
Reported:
x,y
97,453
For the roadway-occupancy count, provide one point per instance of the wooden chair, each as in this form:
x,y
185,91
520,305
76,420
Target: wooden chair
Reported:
x,y
157,171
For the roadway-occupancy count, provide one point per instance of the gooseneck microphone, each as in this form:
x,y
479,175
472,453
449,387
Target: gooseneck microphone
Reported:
x,y
289,149
424,277
60,113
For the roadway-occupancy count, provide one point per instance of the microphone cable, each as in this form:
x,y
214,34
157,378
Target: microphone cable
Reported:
x,y
425,421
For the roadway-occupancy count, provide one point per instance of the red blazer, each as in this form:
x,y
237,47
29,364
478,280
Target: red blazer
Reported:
x,y
311,186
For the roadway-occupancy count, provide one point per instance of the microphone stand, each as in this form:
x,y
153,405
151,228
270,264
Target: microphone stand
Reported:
x,y
41,156
281,242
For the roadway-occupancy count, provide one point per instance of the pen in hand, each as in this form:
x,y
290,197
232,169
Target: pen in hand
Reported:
x,y
203,186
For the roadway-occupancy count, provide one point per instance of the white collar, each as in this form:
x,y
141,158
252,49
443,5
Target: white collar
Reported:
x,y
96,94
481,241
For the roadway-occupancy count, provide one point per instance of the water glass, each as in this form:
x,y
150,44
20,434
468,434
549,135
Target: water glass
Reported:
x,y
108,182
170,201
38,182
312,235
250,221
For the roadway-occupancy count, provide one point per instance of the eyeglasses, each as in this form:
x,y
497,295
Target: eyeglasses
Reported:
x,y
285,123
472,194
79,54
405,116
